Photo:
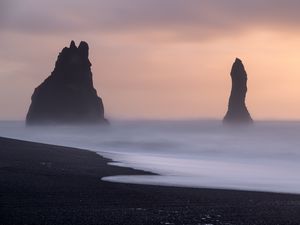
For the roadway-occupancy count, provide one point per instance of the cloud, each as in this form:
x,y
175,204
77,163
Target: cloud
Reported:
x,y
176,17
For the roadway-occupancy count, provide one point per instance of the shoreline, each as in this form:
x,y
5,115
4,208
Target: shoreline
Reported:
x,y
47,184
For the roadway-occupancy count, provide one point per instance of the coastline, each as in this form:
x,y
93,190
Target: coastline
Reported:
x,y
47,184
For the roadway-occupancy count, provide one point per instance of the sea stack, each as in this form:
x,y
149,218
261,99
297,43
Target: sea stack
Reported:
x,y
237,111
68,94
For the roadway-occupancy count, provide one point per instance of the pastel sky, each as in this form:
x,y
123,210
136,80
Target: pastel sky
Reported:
x,y
160,59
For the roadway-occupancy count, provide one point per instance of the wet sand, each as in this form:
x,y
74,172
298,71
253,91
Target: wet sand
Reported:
x,y
45,184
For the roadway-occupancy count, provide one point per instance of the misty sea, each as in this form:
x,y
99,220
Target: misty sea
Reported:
x,y
195,153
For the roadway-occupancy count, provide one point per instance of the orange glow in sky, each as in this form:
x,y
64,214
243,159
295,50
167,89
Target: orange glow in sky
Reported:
x,y
158,71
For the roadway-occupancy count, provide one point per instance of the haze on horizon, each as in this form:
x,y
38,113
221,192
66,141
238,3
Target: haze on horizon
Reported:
x,y
157,59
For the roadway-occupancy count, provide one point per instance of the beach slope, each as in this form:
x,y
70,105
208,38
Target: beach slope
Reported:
x,y
45,184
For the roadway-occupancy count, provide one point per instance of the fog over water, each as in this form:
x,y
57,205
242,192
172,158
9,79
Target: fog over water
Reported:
x,y
262,157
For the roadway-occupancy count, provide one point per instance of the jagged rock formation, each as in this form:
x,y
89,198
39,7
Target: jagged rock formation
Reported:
x,y
237,110
68,94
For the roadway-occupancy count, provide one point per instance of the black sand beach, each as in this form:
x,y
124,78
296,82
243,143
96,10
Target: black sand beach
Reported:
x,y
43,184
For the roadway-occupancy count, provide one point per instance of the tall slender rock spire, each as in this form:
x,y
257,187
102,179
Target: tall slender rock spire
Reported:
x,y
237,110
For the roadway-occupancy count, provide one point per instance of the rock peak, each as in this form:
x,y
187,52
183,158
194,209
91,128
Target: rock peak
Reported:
x,y
84,48
237,60
72,44
83,44
237,110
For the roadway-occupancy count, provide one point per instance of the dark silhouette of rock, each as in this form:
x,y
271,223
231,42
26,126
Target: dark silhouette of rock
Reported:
x,y
237,110
68,94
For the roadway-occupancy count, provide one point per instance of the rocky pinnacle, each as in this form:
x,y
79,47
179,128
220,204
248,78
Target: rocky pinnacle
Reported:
x,y
68,94
237,110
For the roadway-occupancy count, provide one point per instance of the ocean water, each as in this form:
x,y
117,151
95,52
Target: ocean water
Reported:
x,y
262,157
